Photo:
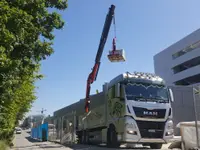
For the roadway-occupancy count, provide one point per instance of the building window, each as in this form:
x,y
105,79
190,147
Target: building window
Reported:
x,y
186,65
189,80
186,50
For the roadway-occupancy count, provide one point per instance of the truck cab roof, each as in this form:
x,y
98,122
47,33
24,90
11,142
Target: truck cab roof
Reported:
x,y
137,77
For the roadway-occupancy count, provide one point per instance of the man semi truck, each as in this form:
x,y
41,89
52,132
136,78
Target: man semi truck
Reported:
x,y
132,108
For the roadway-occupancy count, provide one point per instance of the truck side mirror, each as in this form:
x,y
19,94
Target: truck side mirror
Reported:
x,y
171,95
117,90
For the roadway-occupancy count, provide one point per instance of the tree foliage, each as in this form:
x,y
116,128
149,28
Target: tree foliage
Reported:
x,y
26,38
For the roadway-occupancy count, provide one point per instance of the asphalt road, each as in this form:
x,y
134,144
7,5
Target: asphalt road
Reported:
x,y
24,142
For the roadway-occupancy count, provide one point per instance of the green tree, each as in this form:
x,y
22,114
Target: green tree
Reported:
x,y
26,38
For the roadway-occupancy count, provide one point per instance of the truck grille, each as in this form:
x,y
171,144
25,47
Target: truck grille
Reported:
x,y
149,129
145,113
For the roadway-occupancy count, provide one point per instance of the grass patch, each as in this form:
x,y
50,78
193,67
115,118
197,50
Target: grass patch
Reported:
x,y
3,145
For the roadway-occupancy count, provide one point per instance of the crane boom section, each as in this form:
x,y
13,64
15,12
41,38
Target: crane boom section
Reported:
x,y
93,75
105,32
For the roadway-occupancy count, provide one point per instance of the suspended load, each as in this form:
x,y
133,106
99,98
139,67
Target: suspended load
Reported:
x,y
116,55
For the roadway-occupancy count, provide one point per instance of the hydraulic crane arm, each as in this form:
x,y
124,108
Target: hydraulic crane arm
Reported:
x,y
93,75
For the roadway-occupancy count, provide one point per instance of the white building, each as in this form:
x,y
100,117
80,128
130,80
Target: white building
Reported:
x,y
179,64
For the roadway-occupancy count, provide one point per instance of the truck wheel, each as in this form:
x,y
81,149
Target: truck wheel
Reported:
x,y
79,135
156,146
112,141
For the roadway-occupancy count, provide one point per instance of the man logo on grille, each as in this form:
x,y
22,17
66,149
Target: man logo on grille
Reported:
x,y
150,113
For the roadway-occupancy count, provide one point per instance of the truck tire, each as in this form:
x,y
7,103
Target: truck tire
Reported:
x,y
155,146
79,134
112,141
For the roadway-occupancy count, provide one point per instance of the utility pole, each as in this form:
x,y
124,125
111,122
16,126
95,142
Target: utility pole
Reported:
x,y
42,111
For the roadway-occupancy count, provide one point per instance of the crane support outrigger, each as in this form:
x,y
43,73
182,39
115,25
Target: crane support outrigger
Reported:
x,y
93,75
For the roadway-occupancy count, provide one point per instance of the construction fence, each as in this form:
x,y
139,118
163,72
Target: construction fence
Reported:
x,y
186,113
191,132
64,129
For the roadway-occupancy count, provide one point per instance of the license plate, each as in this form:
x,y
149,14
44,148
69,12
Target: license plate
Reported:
x,y
152,130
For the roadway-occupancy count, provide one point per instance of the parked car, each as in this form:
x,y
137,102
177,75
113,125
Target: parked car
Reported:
x,y
28,131
18,130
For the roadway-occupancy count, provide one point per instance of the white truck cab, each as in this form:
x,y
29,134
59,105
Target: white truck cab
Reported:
x,y
139,109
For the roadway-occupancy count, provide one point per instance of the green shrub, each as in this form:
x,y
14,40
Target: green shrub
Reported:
x,y
3,145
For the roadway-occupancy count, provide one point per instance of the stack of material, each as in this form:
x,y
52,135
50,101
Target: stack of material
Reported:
x,y
117,56
188,134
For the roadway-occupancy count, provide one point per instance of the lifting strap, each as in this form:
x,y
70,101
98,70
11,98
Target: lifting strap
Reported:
x,y
115,35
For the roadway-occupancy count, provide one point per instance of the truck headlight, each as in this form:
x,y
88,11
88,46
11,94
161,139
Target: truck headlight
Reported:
x,y
130,126
132,132
169,133
170,124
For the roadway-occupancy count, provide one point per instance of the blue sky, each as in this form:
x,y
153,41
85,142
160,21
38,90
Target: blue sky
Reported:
x,y
144,28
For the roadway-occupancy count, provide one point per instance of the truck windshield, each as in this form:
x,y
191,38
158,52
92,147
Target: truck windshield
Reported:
x,y
140,92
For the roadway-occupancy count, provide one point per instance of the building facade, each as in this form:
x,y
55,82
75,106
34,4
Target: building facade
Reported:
x,y
179,64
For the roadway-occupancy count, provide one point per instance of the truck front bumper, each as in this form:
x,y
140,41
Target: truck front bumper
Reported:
x,y
136,138
143,140
138,131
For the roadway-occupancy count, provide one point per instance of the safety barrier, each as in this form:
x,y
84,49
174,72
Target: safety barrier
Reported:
x,y
40,132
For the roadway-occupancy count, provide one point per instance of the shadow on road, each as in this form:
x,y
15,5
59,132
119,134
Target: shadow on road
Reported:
x,y
49,145
32,140
46,146
96,147
41,144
